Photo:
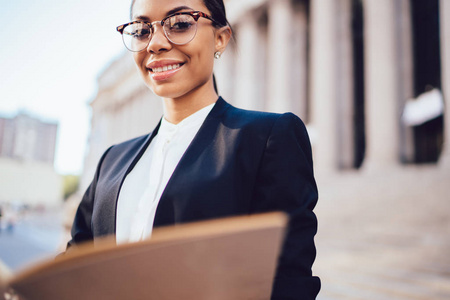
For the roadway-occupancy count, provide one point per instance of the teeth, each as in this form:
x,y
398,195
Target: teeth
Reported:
x,y
165,68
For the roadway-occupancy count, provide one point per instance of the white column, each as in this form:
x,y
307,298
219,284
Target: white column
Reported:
x,y
406,72
444,7
299,61
345,85
246,64
224,71
279,23
381,84
323,84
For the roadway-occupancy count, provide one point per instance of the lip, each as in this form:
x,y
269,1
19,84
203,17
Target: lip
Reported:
x,y
160,64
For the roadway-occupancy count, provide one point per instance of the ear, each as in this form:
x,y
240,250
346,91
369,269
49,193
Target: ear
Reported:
x,y
222,36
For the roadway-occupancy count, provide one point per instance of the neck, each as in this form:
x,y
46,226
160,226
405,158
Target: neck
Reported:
x,y
177,109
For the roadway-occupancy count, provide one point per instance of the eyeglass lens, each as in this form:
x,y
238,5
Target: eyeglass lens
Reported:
x,y
179,30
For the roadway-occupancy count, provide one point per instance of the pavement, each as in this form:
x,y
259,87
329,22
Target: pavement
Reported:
x,y
384,235
35,237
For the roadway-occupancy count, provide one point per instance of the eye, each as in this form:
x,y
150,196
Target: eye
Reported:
x,y
180,23
181,26
137,31
141,33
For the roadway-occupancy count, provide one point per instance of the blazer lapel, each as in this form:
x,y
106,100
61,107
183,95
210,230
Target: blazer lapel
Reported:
x,y
118,182
166,210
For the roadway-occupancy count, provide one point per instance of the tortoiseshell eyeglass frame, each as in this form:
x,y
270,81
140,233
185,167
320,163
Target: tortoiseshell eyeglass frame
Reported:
x,y
195,14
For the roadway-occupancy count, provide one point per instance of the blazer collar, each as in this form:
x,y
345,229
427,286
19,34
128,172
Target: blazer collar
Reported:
x,y
217,111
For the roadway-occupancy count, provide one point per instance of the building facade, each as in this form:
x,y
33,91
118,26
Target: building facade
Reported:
x,y
346,67
27,153
27,138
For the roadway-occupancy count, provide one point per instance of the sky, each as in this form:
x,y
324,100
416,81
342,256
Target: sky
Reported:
x,y
51,53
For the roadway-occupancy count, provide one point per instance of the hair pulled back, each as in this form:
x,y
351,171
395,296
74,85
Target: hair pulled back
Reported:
x,y
215,7
217,10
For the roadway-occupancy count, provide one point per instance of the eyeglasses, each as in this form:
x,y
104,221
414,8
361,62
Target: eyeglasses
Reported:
x,y
179,28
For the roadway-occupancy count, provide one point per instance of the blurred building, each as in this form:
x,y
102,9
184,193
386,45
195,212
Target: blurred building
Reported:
x,y
348,68
27,138
27,153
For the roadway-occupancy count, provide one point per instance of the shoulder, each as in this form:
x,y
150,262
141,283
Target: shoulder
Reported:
x,y
245,114
271,121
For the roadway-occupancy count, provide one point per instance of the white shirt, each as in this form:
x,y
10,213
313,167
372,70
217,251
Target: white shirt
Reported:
x,y
144,185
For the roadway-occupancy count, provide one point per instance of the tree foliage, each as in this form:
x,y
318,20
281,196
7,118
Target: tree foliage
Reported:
x,y
71,183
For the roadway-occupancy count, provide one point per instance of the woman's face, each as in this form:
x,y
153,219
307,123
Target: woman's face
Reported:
x,y
193,62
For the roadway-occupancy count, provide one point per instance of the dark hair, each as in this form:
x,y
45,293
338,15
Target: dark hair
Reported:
x,y
217,10
215,7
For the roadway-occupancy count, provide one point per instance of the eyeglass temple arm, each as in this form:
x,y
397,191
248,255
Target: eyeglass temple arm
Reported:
x,y
199,14
196,15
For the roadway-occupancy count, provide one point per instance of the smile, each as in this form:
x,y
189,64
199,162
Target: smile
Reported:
x,y
164,72
165,68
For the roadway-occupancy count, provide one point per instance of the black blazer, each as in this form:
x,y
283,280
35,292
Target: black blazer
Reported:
x,y
240,162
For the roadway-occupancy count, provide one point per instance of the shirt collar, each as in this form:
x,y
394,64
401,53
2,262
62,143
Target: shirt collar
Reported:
x,y
168,129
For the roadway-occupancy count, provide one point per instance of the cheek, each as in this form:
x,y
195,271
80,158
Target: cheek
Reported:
x,y
204,55
138,59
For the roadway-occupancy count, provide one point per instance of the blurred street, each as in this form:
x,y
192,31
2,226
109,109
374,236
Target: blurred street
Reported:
x,y
35,236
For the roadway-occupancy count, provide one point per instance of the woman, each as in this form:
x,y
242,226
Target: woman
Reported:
x,y
205,159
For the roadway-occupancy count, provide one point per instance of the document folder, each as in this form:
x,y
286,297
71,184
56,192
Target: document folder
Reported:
x,y
230,259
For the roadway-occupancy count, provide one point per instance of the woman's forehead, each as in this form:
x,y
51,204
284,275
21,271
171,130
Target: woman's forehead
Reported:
x,y
158,9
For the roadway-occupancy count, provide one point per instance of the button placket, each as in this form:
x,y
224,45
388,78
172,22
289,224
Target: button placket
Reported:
x,y
158,166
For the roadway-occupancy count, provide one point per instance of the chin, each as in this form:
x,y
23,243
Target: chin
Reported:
x,y
165,91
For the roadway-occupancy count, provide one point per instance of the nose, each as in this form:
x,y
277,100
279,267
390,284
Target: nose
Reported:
x,y
158,41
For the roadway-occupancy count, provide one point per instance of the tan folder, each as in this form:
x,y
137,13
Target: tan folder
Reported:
x,y
232,258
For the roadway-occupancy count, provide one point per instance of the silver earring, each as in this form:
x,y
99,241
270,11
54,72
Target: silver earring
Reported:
x,y
217,55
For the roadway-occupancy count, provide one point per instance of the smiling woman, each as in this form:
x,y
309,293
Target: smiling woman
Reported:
x,y
205,159
180,34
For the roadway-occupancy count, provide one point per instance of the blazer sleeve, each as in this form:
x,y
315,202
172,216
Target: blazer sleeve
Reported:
x,y
286,182
82,224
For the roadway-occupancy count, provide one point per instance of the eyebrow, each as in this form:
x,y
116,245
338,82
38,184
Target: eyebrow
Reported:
x,y
170,12
177,9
